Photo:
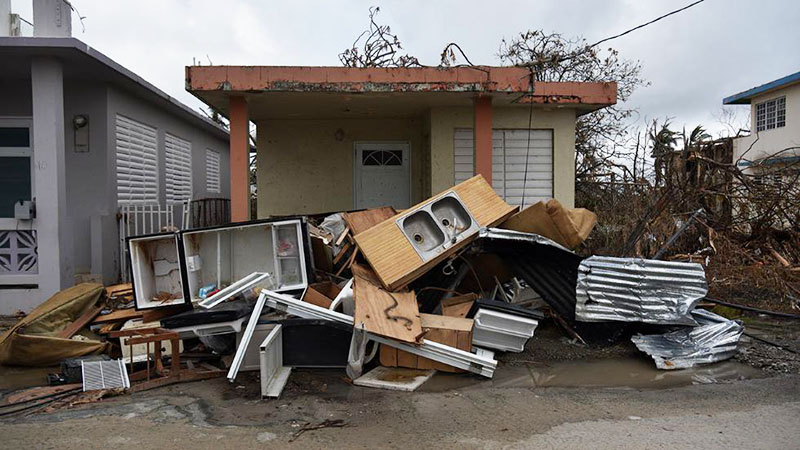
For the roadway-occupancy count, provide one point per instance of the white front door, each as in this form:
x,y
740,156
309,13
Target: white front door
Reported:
x,y
382,175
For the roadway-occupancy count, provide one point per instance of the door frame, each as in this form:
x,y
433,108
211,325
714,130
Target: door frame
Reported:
x,y
357,174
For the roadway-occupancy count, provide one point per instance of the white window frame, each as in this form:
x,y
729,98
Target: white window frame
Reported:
x,y
211,187
10,223
178,184
18,122
770,114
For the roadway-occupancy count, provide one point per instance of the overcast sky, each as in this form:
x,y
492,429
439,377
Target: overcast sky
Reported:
x,y
692,59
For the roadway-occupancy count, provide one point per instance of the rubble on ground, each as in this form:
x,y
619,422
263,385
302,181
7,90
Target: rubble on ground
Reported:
x,y
388,298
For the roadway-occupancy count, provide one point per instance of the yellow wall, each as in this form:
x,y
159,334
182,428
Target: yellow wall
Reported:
x,y
303,169
444,121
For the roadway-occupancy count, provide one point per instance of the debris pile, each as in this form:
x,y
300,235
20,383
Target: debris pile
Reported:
x,y
441,286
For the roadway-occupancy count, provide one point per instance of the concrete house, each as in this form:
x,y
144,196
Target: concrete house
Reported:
x,y
334,138
774,139
82,138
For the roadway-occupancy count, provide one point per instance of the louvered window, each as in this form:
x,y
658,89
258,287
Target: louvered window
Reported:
x,y
137,162
509,154
212,171
178,153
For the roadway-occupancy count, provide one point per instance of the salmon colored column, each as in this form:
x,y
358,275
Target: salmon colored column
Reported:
x,y
239,154
482,113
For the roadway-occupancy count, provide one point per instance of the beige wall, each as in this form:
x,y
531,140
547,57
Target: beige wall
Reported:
x,y
444,121
771,141
303,169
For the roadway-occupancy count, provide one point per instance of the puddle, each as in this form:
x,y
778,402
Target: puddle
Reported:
x,y
635,373
630,373
12,377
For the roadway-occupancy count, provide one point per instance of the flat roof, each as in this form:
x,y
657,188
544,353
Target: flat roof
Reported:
x,y
74,51
743,98
278,90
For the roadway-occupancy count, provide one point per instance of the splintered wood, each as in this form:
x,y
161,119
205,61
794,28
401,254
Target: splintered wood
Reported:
x,y
390,314
364,220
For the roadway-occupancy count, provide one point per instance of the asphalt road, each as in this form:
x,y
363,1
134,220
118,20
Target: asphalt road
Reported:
x,y
756,413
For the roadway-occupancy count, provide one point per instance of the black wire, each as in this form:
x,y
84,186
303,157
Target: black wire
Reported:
x,y
644,24
752,309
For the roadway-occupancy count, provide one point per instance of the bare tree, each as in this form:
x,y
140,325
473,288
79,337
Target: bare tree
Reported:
x,y
601,139
376,47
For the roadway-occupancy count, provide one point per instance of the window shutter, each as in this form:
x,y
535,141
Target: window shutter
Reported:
x,y
137,162
212,171
178,153
509,150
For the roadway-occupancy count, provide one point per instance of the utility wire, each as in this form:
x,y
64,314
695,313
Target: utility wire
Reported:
x,y
646,24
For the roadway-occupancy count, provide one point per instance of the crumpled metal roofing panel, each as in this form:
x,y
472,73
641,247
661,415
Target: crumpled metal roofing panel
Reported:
x,y
715,339
638,290
549,269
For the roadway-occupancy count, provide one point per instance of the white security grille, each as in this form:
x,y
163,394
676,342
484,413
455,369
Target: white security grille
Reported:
x,y
178,156
212,171
137,162
509,154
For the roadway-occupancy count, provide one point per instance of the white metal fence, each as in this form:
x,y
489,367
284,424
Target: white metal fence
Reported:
x,y
141,219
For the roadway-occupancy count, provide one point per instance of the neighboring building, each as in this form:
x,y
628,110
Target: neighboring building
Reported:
x,y
82,137
335,138
774,139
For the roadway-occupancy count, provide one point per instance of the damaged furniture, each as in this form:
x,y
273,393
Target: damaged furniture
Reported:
x,y
218,257
156,271
403,247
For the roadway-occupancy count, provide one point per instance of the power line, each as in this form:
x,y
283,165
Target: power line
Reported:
x,y
645,24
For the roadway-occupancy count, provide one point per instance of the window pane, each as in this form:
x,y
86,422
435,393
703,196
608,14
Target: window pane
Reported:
x,y
15,184
15,137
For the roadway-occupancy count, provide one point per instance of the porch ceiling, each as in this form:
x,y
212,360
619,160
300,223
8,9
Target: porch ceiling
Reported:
x,y
338,92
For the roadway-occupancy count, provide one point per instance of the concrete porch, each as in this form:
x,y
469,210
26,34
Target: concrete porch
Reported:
x,y
312,121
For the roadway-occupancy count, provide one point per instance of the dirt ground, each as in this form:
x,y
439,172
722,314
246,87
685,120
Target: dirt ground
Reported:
x,y
556,394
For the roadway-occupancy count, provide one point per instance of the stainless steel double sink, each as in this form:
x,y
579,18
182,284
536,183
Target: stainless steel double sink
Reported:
x,y
438,225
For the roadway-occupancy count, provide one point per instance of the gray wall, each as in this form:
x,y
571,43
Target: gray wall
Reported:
x,y
15,97
87,180
120,102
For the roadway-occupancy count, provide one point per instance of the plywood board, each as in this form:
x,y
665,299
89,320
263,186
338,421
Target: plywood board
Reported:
x,y
458,306
394,259
390,314
120,315
360,221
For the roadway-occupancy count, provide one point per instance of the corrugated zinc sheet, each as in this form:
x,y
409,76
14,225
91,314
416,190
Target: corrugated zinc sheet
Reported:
x,y
550,270
638,290
715,339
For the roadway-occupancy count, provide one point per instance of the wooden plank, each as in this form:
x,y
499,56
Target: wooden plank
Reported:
x,y
360,221
458,306
390,314
120,315
452,331
321,294
362,271
81,321
394,259
156,314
